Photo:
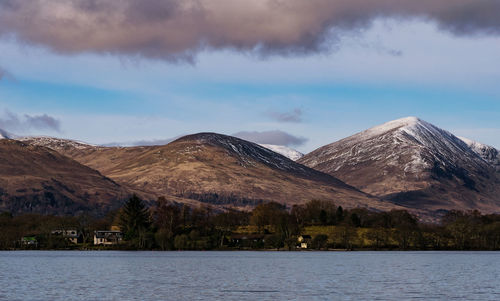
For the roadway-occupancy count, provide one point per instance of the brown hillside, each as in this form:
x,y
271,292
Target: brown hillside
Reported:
x,y
37,179
217,169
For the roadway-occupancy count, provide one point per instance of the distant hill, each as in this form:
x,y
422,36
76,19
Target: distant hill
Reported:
x,y
414,164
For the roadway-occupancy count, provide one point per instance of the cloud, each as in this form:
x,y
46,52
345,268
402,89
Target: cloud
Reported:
x,y
12,122
178,29
272,137
293,116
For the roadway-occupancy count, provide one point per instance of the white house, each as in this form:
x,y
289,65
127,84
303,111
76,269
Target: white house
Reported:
x,y
107,238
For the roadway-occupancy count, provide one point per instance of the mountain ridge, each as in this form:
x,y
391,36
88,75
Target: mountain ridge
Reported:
x,y
210,165
405,163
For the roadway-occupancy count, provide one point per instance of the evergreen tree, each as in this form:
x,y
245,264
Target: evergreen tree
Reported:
x,y
134,221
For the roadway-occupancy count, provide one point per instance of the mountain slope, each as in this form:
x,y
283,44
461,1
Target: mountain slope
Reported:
x,y
285,151
412,163
37,179
218,169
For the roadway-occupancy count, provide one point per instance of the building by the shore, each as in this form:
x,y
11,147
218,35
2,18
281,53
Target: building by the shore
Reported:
x,y
107,238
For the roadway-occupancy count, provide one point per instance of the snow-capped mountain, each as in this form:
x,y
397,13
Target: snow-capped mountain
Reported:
x,y
412,163
288,152
488,153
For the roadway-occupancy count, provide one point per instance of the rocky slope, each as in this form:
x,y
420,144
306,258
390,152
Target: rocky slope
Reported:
x,y
414,164
39,180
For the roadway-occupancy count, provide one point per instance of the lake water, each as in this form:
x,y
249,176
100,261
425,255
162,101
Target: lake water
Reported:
x,y
74,275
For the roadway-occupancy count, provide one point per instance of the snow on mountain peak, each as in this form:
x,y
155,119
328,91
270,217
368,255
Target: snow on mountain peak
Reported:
x,y
285,151
415,129
410,142
407,122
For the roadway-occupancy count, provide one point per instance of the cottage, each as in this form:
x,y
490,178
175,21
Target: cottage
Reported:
x,y
107,238
304,241
71,235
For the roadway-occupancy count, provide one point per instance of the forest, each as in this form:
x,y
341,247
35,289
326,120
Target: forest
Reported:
x,y
167,225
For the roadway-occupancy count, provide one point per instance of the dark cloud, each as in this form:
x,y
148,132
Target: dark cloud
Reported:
x,y
293,116
12,122
178,29
272,137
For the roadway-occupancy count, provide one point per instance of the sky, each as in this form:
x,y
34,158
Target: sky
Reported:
x,y
294,73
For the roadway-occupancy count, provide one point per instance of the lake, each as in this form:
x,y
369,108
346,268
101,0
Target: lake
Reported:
x,y
102,275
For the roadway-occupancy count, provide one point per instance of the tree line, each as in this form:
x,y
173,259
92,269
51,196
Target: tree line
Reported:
x,y
171,226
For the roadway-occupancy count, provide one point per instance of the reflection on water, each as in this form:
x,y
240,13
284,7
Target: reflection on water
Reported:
x,y
60,275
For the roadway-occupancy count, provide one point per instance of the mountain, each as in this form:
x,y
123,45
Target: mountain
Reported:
x,y
288,152
414,164
39,180
215,169
488,153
